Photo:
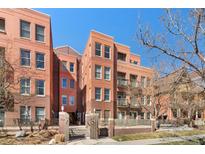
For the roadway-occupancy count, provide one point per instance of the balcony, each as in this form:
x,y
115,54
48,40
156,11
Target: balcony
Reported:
x,y
122,82
122,102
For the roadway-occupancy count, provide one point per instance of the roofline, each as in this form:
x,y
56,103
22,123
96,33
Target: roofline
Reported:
x,y
40,12
93,30
134,54
67,46
122,44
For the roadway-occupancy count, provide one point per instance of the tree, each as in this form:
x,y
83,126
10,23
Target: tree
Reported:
x,y
182,40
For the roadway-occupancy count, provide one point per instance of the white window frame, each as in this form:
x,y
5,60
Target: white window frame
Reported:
x,y
24,114
109,51
21,20
105,94
44,89
107,74
96,72
98,49
1,30
39,34
39,114
98,100
40,61
26,50
25,94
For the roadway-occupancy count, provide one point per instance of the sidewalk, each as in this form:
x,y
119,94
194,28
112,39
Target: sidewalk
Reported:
x,y
109,141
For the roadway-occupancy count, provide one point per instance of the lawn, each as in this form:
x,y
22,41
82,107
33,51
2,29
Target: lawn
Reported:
x,y
161,134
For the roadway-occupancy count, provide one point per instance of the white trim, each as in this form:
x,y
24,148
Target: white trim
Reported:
x,y
100,72
122,44
93,30
22,37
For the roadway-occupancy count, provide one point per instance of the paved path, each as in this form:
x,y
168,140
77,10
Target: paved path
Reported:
x,y
109,141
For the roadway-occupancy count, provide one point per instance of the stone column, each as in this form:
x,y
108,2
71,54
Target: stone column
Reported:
x,y
92,125
64,124
153,125
111,127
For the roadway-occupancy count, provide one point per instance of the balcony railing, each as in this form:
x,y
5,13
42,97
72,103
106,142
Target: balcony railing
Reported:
x,y
122,82
122,102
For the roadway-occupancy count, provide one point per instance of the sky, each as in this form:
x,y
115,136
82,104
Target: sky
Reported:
x,y
72,27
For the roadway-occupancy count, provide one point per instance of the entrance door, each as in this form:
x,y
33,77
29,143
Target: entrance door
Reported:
x,y
1,118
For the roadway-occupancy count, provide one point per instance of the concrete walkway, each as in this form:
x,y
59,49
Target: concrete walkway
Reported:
x,y
109,141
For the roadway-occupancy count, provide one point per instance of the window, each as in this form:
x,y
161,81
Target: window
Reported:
x,y
24,29
72,100
121,56
107,95
25,57
143,81
25,113
98,94
71,67
40,60
98,72
2,25
107,73
97,49
40,87
98,112
64,83
25,86
64,65
40,113
148,115
148,100
133,115
142,115
64,100
107,52
143,100
72,83
40,33
121,115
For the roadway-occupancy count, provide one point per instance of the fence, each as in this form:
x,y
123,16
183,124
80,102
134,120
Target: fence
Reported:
x,y
132,122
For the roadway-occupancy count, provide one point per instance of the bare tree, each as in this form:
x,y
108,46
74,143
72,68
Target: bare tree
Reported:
x,y
182,39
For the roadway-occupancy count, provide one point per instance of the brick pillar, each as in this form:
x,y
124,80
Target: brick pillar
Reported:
x,y
153,125
64,124
91,120
111,127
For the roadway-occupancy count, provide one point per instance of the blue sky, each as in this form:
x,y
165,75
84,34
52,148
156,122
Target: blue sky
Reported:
x,y
72,26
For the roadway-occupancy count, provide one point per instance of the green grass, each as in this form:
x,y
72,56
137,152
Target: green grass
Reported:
x,y
153,135
194,142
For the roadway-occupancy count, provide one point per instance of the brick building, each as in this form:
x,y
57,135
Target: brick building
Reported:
x,y
26,43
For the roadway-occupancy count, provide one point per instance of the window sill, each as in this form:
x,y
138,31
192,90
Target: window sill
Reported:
x,y
40,42
24,66
98,101
3,31
107,101
25,38
41,69
108,80
25,94
40,95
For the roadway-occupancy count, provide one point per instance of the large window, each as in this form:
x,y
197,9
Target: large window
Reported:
x,y
143,81
148,100
71,67
148,115
40,33
64,100
143,100
40,113
64,82
98,92
25,29
107,73
40,60
98,49
25,86
98,111
40,87
107,52
25,113
107,95
2,25
72,100
25,57
121,115
72,83
98,72
121,56
64,65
